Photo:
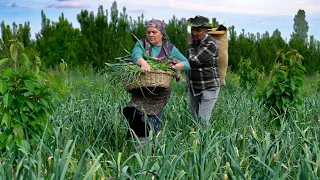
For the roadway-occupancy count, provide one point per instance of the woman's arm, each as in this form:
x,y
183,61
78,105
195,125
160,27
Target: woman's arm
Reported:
x,y
137,58
143,64
183,64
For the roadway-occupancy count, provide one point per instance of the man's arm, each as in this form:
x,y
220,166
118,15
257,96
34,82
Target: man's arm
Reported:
x,y
204,54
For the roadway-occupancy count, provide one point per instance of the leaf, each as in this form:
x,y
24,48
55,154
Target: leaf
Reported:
x,y
269,92
7,99
13,52
37,59
3,86
37,69
274,79
22,69
31,85
292,83
4,61
8,72
41,119
24,117
9,140
6,118
21,46
21,99
31,106
291,62
277,92
279,104
28,64
282,87
44,102
18,130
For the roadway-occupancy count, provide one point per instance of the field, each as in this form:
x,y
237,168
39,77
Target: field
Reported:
x,y
89,139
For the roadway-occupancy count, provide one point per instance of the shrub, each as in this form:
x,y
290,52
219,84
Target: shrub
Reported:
x,y
248,76
26,99
281,93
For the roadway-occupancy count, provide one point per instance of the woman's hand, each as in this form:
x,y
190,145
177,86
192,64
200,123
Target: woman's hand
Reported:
x,y
144,66
176,65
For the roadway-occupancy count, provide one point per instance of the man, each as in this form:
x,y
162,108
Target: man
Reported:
x,y
203,75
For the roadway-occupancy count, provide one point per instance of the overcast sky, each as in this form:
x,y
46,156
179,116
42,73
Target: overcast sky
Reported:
x,y
251,15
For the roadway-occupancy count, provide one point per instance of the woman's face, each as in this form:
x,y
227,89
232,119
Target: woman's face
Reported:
x,y
154,36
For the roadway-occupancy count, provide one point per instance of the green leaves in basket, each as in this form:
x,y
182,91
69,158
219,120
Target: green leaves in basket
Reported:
x,y
128,73
124,72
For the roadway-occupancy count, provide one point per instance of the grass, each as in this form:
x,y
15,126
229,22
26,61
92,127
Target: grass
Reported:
x,y
89,140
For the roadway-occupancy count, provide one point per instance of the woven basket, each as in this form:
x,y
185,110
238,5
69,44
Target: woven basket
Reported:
x,y
153,79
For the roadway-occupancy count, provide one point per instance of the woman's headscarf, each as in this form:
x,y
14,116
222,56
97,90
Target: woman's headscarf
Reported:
x,y
161,26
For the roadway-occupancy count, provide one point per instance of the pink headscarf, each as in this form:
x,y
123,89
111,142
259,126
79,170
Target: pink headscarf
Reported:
x,y
160,25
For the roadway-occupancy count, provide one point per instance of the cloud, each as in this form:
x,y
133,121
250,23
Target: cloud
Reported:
x,y
258,21
4,3
247,7
137,11
14,5
67,4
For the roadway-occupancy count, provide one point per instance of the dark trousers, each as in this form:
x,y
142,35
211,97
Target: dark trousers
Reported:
x,y
137,123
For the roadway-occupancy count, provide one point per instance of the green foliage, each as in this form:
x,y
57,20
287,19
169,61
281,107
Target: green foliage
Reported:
x,y
282,91
248,76
317,84
89,139
57,41
19,32
300,26
26,96
101,36
177,31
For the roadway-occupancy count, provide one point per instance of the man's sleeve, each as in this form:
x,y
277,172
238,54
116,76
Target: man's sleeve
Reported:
x,y
204,54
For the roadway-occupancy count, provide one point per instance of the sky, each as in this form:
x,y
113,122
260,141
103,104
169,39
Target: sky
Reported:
x,y
251,15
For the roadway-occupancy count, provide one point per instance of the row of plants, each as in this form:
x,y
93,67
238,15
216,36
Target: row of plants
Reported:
x,y
89,141
84,135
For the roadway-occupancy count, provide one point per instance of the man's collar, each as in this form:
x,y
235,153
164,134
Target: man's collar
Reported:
x,y
205,37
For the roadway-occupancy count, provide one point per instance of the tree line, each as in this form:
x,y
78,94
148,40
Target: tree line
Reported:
x,y
106,35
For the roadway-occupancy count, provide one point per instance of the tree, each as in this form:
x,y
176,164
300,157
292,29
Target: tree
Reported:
x,y
215,23
300,26
177,31
233,50
17,32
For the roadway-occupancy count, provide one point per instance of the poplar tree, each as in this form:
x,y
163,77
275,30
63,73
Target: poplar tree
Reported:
x,y
300,26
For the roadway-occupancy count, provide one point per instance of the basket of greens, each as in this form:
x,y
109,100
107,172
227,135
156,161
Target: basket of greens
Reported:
x,y
133,78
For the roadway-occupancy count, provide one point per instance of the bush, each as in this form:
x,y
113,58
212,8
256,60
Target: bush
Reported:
x,y
26,96
281,93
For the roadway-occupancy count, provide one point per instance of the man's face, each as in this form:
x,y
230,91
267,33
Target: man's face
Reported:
x,y
198,33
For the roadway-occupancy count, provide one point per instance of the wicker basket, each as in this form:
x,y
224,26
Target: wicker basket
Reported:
x,y
153,79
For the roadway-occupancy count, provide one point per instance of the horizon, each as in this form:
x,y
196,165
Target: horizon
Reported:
x,y
254,17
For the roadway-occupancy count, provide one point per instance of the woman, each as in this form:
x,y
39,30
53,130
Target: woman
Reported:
x,y
145,104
